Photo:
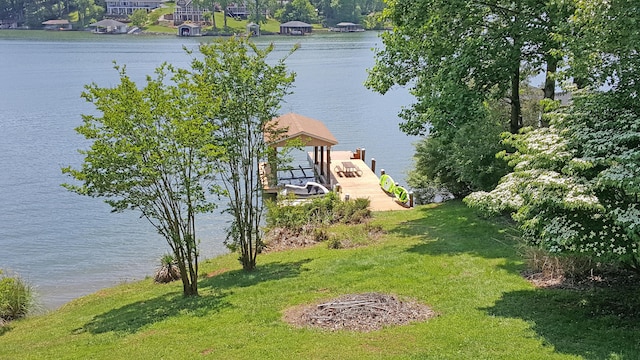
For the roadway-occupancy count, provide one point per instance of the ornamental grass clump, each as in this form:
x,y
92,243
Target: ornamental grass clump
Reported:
x,y
16,297
168,270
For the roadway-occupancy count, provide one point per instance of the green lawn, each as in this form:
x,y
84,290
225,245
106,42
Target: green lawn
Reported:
x,y
465,268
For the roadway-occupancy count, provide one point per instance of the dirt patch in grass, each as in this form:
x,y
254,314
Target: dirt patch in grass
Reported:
x,y
279,239
358,312
217,272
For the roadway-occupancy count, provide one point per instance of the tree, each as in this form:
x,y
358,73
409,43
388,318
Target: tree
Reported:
x,y
603,42
465,61
223,5
575,185
151,151
300,10
12,9
87,11
235,73
462,161
139,17
483,45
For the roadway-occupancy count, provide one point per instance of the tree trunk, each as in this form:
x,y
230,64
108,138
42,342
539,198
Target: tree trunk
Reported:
x,y
550,81
549,85
213,14
516,117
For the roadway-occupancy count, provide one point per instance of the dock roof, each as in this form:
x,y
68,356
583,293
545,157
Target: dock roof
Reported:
x,y
312,132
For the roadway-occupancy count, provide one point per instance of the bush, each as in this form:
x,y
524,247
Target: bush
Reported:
x,y
325,210
16,297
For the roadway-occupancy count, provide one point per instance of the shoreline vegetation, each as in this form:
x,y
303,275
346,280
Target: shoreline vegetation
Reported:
x,y
234,27
467,269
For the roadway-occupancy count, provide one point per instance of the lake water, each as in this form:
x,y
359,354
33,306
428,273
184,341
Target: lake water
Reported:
x,y
67,245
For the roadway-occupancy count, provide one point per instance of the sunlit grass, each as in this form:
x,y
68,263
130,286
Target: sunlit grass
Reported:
x,y
465,268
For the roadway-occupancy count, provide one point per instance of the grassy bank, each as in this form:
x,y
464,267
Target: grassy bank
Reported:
x,y
464,268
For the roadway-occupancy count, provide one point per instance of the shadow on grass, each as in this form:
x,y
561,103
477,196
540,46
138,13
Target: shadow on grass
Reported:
x,y
4,328
133,317
600,323
262,273
452,229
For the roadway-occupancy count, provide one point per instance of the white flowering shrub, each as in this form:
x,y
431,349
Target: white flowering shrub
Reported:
x,y
575,184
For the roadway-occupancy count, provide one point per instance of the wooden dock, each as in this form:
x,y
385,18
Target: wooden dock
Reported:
x,y
362,185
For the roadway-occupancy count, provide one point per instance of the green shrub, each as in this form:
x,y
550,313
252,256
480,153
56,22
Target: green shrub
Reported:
x,y
16,297
334,243
320,234
324,210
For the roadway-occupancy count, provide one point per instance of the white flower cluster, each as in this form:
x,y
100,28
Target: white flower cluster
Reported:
x,y
575,184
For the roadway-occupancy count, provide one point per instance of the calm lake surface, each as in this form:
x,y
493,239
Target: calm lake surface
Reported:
x,y
67,245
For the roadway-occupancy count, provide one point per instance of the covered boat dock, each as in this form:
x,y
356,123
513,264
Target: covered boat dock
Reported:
x,y
343,171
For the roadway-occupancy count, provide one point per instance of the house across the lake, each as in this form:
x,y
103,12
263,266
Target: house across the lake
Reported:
x,y
124,8
57,25
186,10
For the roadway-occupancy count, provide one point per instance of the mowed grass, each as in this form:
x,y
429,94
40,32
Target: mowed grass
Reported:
x,y
464,267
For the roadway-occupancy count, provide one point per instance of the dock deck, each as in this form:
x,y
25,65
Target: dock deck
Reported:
x,y
361,185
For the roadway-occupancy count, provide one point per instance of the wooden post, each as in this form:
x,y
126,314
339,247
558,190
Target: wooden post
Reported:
x,y
329,166
346,197
321,160
382,172
411,199
362,154
373,165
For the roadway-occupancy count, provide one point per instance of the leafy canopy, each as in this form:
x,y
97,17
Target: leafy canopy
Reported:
x,y
152,151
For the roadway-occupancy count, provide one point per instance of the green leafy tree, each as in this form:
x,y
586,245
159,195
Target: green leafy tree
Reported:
x,y
466,61
575,185
300,10
603,42
154,17
139,17
152,151
12,9
236,73
36,12
223,5
347,10
439,46
462,163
